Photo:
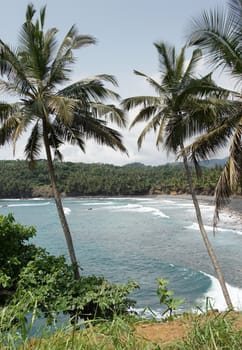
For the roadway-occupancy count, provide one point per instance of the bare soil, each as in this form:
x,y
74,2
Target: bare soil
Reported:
x,y
178,329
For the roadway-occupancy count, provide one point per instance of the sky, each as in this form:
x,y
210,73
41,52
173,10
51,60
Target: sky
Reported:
x,y
125,31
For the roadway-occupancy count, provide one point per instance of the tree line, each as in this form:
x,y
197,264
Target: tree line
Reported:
x,y
81,179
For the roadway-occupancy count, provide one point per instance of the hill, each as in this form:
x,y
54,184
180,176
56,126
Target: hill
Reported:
x,y
81,179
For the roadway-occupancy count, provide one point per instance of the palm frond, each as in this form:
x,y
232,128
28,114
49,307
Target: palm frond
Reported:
x,y
152,125
79,40
60,67
11,88
145,115
85,127
206,145
109,112
63,107
220,36
55,138
166,59
196,57
231,173
179,67
73,40
7,109
30,12
64,133
107,77
107,136
235,9
31,52
199,115
200,88
160,133
175,132
9,126
14,70
36,47
219,132
140,101
34,144
49,48
152,82
91,89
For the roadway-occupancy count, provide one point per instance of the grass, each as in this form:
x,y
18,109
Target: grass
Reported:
x,y
214,332
211,331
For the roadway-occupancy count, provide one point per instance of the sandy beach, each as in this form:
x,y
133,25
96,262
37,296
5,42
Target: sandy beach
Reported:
x,y
234,205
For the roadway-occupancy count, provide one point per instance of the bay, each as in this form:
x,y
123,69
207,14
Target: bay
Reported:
x,y
142,239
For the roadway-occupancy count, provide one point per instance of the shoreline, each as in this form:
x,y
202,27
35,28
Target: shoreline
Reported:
x,y
234,204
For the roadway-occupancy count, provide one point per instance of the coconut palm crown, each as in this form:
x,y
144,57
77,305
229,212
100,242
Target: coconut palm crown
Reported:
x,y
218,33
33,75
183,107
180,109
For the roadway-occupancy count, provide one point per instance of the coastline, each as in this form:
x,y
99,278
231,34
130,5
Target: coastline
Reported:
x,y
234,205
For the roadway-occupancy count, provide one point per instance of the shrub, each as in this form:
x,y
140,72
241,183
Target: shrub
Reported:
x,y
27,270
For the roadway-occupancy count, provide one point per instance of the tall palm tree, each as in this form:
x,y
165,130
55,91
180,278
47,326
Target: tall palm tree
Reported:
x,y
178,112
218,32
34,73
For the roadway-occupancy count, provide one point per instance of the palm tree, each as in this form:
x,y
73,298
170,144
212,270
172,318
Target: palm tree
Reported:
x,y
179,111
218,33
33,73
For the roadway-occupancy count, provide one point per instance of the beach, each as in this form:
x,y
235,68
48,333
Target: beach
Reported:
x,y
234,205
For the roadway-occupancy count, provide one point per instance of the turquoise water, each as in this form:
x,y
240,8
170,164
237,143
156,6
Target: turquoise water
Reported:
x,y
142,239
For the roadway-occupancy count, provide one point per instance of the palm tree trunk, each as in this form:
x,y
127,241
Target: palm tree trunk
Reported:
x,y
208,245
59,205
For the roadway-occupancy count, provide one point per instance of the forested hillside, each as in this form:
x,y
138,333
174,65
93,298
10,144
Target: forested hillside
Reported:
x,y
80,179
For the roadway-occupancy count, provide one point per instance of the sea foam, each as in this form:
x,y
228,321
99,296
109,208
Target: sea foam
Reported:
x,y
216,297
195,227
29,204
139,209
97,203
67,211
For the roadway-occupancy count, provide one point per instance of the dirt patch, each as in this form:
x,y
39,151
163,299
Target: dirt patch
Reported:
x,y
168,332
162,332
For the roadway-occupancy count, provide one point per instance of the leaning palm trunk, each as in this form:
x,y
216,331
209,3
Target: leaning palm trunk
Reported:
x,y
207,243
59,205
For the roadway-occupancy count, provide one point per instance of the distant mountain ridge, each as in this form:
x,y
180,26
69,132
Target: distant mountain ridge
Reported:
x,y
211,163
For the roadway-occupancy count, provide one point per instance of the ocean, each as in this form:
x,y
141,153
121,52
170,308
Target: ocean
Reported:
x,y
142,239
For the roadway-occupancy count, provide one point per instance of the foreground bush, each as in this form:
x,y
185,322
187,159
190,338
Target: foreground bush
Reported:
x,y
32,280
15,254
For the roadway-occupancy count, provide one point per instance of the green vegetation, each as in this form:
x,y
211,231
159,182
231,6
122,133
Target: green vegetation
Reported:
x,y
35,284
80,179
213,332
15,254
166,297
205,332
31,280
33,73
